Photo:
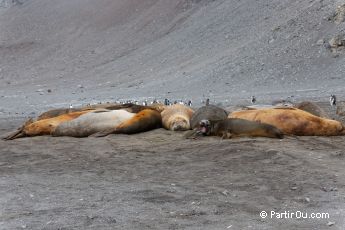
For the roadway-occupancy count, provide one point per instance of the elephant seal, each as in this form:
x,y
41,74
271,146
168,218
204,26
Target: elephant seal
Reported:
x,y
43,127
57,112
312,108
235,127
292,121
92,122
134,108
177,117
208,112
143,121
130,107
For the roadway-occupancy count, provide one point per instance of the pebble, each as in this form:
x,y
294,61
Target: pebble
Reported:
x,y
330,223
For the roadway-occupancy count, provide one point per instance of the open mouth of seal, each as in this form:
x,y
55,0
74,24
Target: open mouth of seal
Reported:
x,y
203,130
204,127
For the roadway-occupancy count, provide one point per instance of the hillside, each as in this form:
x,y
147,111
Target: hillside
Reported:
x,y
88,51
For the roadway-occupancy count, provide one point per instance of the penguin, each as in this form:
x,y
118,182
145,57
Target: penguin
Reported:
x,y
253,99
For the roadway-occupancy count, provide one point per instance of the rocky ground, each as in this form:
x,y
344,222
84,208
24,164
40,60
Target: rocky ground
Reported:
x,y
159,180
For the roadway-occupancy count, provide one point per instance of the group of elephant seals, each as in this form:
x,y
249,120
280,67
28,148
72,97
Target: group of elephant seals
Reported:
x,y
92,122
43,127
177,117
293,121
143,121
234,127
207,120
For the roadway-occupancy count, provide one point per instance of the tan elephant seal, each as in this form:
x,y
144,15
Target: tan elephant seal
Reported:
x,y
293,121
177,117
43,127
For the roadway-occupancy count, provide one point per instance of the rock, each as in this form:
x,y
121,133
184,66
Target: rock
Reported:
x,y
337,41
339,15
307,199
330,223
320,42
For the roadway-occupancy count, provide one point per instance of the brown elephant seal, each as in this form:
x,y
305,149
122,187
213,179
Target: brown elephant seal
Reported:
x,y
208,112
143,121
130,107
292,121
92,122
177,117
43,127
134,108
57,112
235,127
312,108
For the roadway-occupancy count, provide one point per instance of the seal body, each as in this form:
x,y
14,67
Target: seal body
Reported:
x,y
92,122
57,112
177,117
235,127
208,112
143,121
312,108
43,127
130,107
293,121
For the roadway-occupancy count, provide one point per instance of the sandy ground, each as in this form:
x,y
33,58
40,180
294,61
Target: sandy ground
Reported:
x,y
159,180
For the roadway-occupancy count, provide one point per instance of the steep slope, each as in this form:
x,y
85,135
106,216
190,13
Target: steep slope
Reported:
x,y
84,50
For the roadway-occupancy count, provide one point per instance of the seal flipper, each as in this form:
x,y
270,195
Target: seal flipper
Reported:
x,y
103,133
192,134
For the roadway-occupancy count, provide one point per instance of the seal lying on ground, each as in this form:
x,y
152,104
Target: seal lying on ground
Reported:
x,y
177,117
132,108
43,127
312,108
208,112
143,121
92,122
235,127
293,121
57,112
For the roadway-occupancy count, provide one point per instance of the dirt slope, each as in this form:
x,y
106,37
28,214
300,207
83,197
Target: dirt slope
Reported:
x,y
88,51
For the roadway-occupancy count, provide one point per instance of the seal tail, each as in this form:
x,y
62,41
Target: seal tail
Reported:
x,y
20,132
17,134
